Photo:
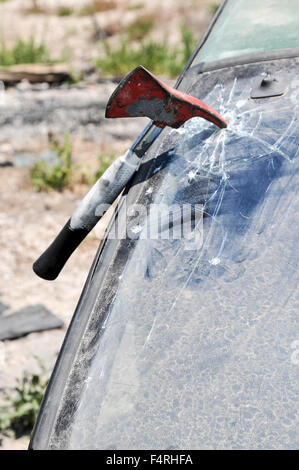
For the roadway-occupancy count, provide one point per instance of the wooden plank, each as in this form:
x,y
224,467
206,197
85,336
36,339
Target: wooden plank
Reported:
x,y
35,73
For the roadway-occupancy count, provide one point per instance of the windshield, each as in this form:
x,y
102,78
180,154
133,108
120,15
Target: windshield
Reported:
x,y
246,27
196,349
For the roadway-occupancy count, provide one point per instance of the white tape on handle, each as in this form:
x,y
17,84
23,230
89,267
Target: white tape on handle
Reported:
x,y
105,190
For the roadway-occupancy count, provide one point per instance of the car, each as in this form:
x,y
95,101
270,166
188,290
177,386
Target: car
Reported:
x,y
188,339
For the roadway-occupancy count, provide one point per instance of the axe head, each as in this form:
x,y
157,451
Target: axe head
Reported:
x,y
140,93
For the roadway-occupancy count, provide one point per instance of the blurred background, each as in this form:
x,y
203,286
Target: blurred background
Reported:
x,y
59,62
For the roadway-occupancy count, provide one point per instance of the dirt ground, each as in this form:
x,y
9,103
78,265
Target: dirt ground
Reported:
x,y
28,224
30,220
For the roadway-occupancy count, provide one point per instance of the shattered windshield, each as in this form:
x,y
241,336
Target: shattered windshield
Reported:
x,y
197,346
247,27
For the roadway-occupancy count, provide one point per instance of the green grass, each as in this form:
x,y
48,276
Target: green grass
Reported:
x,y
89,177
140,28
158,57
24,52
214,7
21,409
136,6
64,11
65,173
97,6
57,177
189,43
104,161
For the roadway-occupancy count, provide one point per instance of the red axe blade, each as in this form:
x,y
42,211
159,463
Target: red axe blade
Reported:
x,y
140,93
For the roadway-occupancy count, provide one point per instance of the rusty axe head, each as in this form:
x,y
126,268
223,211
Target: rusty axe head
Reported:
x,y
140,93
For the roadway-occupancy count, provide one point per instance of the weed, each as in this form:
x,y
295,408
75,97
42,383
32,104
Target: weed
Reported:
x,y
189,43
140,27
214,7
20,413
136,6
158,57
65,11
24,52
104,163
45,177
86,175
97,6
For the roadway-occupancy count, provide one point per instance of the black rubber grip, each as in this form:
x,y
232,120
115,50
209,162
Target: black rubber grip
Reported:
x,y
51,262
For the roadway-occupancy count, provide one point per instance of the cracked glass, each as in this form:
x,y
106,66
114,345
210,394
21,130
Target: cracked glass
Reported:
x,y
195,350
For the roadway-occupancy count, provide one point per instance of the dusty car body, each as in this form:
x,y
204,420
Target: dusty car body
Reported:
x,y
193,343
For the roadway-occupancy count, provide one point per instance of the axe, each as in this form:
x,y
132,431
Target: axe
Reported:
x,y
140,93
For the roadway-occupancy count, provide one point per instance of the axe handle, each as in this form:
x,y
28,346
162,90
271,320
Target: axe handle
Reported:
x,y
51,262
93,206
86,216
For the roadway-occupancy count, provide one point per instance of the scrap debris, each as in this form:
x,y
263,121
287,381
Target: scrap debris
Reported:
x,y
27,320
